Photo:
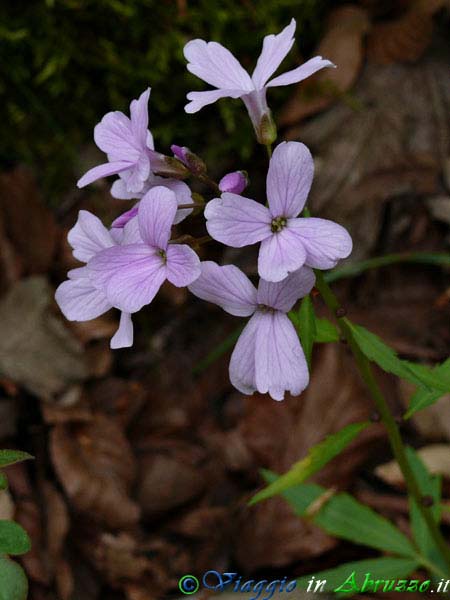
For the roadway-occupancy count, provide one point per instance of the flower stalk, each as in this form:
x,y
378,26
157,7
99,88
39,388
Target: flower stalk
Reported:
x,y
388,420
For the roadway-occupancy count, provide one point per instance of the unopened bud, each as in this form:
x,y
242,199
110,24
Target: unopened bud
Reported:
x,y
193,162
166,166
235,182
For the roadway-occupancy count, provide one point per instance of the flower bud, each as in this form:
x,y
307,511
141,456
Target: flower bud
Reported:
x,y
193,162
235,182
166,166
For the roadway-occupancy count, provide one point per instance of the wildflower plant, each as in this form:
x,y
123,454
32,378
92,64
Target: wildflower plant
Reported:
x,y
124,266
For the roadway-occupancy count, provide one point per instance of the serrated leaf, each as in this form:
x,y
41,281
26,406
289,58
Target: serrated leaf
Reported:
x,y
346,518
318,456
379,568
429,485
13,538
13,581
386,358
326,332
423,397
10,457
307,327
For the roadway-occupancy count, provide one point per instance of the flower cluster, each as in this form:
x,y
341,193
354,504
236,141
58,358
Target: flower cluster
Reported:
x,y
125,265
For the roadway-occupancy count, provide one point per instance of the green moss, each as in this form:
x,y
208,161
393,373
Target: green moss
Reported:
x,y
67,62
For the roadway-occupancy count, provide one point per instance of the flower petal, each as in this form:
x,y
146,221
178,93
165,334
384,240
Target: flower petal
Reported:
x,y
279,255
88,236
284,294
131,233
200,99
139,117
275,48
237,221
79,300
129,275
114,136
183,265
280,363
123,219
138,174
123,338
325,242
242,362
156,214
216,65
227,287
302,72
119,190
105,170
289,179
182,194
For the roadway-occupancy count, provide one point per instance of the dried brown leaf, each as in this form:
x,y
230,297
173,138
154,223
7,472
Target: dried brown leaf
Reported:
x,y
436,458
279,434
342,43
170,476
95,465
118,557
29,224
28,514
36,350
405,38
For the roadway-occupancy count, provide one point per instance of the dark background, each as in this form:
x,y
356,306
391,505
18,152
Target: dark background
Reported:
x,y
145,457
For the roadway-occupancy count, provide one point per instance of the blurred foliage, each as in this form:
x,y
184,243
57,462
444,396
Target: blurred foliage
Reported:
x,y
67,62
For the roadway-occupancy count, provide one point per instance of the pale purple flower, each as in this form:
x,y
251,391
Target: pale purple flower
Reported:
x,y
287,242
235,182
268,357
180,189
128,144
130,275
217,66
78,298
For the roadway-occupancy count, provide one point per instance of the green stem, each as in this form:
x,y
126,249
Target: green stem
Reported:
x,y
356,268
382,407
269,150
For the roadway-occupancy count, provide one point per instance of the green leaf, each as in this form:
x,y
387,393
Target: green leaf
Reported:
x,y
9,457
429,485
386,358
318,456
356,268
13,581
3,482
326,331
379,568
422,397
307,327
13,538
299,497
346,518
